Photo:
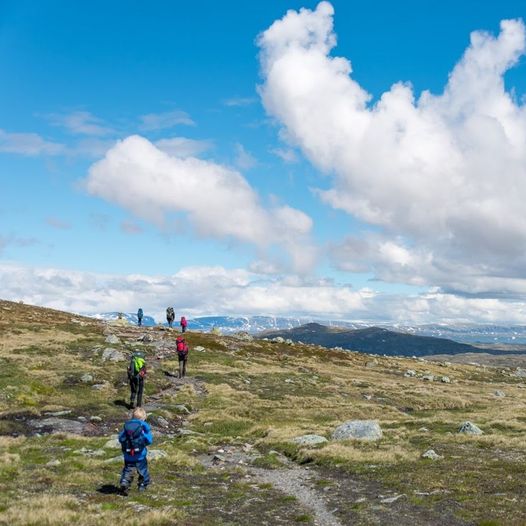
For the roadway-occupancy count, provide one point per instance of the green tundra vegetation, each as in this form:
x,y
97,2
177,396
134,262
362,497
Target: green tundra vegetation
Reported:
x,y
224,450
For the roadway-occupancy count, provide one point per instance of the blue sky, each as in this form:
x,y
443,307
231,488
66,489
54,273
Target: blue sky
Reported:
x,y
76,79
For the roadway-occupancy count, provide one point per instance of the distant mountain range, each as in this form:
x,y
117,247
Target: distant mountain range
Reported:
x,y
373,340
463,333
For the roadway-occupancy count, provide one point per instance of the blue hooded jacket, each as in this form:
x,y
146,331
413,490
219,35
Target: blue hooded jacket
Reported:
x,y
148,438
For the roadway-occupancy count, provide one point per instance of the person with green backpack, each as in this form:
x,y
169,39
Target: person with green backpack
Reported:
x,y
136,374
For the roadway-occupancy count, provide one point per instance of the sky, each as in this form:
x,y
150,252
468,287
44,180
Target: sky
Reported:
x,y
326,160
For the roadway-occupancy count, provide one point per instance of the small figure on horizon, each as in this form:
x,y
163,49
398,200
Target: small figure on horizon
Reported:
x,y
134,438
139,317
184,324
182,354
170,316
136,374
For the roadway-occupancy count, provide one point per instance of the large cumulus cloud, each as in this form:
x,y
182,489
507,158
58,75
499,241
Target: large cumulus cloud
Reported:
x,y
217,201
443,176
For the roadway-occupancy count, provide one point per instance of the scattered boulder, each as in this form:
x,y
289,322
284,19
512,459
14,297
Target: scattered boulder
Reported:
x,y
428,378
500,394
159,421
278,339
371,364
146,338
86,378
112,355
358,430
156,454
112,339
95,419
112,444
100,387
53,463
288,341
309,440
445,380
431,454
198,348
410,373
243,335
58,425
469,428
520,372
181,408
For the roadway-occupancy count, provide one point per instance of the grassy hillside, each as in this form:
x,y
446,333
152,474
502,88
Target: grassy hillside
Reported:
x,y
224,436
374,340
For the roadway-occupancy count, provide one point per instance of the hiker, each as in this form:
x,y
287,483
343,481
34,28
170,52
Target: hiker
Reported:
x,y
134,437
184,324
170,316
182,354
136,374
139,317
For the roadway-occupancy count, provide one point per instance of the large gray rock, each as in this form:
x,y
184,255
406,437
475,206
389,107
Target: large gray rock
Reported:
x,y
112,339
58,425
358,430
112,355
86,378
469,428
520,372
199,348
309,440
278,339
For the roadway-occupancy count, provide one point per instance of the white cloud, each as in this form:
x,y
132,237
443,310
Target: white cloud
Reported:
x,y
204,291
183,147
217,201
287,155
240,101
443,176
29,144
80,123
162,121
244,159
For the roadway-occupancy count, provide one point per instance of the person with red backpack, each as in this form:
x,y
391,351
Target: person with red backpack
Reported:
x,y
134,437
184,324
182,354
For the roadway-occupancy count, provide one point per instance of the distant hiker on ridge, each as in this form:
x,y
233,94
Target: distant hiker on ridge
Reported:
x,y
184,324
139,317
134,438
136,374
182,354
170,316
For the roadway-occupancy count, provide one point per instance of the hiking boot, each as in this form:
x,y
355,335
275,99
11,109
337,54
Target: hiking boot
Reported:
x,y
142,489
125,490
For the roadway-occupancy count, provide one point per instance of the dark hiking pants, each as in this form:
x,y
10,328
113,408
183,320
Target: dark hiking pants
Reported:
x,y
128,472
183,358
136,388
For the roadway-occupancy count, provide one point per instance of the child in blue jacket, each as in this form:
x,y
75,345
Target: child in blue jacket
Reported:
x,y
134,438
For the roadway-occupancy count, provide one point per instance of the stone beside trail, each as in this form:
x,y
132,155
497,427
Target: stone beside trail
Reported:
x,y
310,440
469,428
358,430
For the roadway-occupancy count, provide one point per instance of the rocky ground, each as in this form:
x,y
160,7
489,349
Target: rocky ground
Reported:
x,y
261,432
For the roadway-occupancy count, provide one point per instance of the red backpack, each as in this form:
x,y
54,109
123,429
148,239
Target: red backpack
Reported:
x,y
181,345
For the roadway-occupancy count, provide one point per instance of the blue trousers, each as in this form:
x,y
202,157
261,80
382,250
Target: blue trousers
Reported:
x,y
128,473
